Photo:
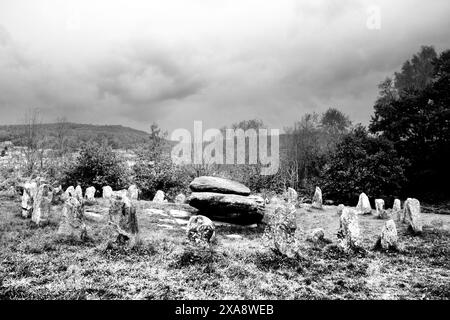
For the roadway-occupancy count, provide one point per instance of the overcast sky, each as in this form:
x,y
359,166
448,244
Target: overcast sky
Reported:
x,y
220,61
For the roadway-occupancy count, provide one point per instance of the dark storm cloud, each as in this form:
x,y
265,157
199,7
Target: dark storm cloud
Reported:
x,y
176,62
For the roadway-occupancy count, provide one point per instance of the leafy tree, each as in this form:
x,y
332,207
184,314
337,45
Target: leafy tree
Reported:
x,y
363,163
417,121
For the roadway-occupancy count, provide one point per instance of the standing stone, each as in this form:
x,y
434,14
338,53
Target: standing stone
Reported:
x,y
200,230
159,196
181,198
317,199
79,193
121,193
70,192
279,234
72,220
107,192
122,215
133,192
397,210
292,195
340,209
29,192
42,204
412,214
363,206
58,196
349,233
90,194
389,237
379,207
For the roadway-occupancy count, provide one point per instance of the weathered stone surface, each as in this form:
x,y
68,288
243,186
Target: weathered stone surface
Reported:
x,y
218,185
78,193
181,198
229,207
90,194
389,237
159,197
412,214
397,210
133,192
29,192
292,195
107,192
382,213
349,233
279,234
340,209
200,230
363,206
317,199
72,220
42,204
179,213
70,192
316,235
122,216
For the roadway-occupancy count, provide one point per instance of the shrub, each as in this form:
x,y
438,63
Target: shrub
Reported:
x,y
97,166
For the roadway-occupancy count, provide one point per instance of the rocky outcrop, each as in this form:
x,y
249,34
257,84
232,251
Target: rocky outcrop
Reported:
x,y
218,185
229,207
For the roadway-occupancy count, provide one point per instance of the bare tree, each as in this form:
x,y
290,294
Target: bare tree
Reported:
x,y
34,141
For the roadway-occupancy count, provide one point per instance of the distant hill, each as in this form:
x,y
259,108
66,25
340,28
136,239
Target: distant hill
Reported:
x,y
75,134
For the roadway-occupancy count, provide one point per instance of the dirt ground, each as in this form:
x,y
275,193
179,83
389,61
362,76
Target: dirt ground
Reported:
x,y
34,264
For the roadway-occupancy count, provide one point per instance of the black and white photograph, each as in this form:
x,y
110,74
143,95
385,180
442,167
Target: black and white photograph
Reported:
x,y
224,151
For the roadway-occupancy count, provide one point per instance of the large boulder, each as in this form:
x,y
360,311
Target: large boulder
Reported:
x,y
218,185
159,197
122,216
228,207
107,192
363,206
317,199
412,214
349,233
72,220
42,204
200,230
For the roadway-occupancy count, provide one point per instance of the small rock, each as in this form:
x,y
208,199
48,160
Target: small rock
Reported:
x,y
200,230
316,235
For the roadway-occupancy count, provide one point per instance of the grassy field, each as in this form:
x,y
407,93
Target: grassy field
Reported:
x,y
35,265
